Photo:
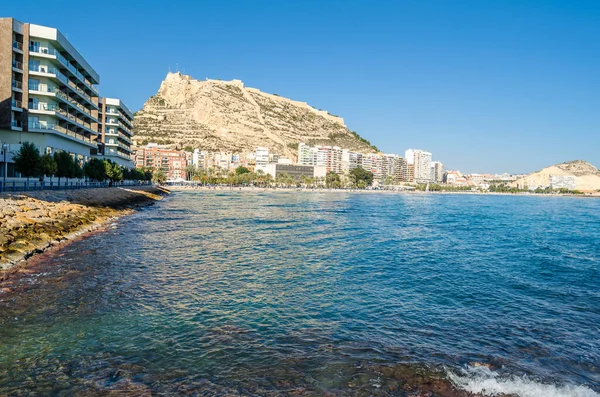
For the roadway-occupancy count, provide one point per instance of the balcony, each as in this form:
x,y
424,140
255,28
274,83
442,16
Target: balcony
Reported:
x,y
48,70
40,127
65,63
16,124
16,105
17,85
57,111
17,65
112,122
17,46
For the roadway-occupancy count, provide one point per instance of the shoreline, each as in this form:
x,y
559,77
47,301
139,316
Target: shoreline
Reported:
x,y
33,222
364,191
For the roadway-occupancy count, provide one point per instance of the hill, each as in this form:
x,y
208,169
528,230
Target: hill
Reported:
x,y
587,177
220,115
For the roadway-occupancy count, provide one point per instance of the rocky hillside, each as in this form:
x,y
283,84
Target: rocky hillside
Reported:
x,y
587,176
226,116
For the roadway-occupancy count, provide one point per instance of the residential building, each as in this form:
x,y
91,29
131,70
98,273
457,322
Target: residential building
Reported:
x,y
393,168
329,157
47,91
437,172
374,163
172,162
422,164
261,156
350,160
115,132
294,170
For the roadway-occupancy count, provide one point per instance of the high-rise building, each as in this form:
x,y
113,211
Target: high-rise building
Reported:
x,y
421,161
47,91
350,160
329,157
437,172
115,132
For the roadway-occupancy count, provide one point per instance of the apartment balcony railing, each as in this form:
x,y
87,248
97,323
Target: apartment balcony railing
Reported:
x,y
16,104
17,45
17,84
66,63
17,64
48,69
112,122
58,128
17,123
111,111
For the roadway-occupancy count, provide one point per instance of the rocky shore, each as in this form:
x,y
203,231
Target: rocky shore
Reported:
x,y
34,221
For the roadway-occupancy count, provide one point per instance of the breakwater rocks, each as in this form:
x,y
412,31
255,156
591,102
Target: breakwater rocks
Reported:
x,y
33,221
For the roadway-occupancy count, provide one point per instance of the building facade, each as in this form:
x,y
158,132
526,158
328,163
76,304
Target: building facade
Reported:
x,y
172,162
437,172
47,91
329,157
296,171
115,132
421,161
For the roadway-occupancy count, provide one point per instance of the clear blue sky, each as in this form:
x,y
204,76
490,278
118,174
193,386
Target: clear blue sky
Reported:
x,y
487,86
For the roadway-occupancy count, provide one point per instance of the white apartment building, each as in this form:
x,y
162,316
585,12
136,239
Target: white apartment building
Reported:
x,y
350,160
329,157
261,155
50,89
115,132
421,162
437,172
374,163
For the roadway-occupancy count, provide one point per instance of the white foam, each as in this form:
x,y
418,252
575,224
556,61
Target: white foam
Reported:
x,y
484,381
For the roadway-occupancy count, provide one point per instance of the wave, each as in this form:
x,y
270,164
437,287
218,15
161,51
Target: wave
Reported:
x,y
482,380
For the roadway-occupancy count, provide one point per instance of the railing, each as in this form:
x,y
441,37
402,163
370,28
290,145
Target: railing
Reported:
x,y
58,128
17,84
112,122
16,104
22,186
16,123
17,45
66,63
17,64
48,69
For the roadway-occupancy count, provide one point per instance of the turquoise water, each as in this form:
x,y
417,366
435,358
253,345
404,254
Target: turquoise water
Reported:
x,y
306,293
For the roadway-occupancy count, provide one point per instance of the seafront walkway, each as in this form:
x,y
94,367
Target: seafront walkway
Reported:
x,y
35,185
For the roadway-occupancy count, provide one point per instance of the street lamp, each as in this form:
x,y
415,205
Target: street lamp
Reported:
x,y
5,152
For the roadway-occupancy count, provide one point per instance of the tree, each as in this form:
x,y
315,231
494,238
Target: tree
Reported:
x,y
95,170
64,165
28,160
113,171
159,177
332,180
47,165
188,149
242,170
362,175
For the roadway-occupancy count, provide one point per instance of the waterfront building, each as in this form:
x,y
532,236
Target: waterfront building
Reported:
x,y
393,167
329,157
350,160
437,172
297,171
47,89
115,132
421,160
374,163
172,162
261,156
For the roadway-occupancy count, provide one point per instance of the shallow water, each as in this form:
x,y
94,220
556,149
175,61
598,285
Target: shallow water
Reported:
x,y
306,293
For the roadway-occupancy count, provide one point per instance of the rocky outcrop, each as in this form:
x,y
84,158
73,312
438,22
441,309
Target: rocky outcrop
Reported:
x,y
220,115
587,177
31,222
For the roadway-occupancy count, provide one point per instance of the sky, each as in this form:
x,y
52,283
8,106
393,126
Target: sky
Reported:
x,y
486,86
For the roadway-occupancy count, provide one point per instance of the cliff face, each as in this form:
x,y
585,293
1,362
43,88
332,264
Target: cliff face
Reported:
x,y
587,177
219,115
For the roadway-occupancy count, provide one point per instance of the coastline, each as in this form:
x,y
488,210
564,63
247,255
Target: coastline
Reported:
x,y
33,222
365,191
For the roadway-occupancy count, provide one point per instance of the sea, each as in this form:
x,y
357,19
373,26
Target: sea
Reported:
x,y
270,293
